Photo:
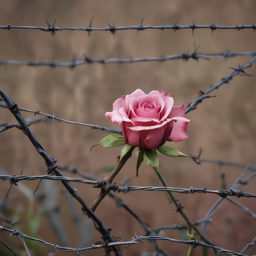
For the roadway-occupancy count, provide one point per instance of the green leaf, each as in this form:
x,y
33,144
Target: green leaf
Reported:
x,y
125,149
151,157
168,151
112,140
139,160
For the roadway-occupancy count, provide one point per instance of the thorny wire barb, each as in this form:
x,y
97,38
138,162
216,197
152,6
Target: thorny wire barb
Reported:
x,y
112,29
125,189
134,240
51,164
51,28
88,60
225,80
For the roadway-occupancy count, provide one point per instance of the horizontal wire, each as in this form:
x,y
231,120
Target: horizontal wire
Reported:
x,y
175,27
134,240
191,190
88,60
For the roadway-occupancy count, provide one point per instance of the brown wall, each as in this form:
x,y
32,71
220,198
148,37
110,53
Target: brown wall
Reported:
x,y
223,126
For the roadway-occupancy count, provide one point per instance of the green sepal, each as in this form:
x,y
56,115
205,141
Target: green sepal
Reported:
x,y
151,157
139,160
172,152
125,149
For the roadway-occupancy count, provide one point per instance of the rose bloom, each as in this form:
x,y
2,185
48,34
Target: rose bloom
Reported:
x,y
149,120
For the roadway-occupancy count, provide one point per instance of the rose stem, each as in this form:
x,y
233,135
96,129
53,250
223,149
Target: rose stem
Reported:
x,y
110,179
179,209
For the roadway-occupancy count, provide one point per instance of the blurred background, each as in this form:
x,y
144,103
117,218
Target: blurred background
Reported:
x,y
224,127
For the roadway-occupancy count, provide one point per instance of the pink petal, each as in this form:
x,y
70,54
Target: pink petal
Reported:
x,y
154,138
120,103
167,108
141,128
179,131
135,95
114,117
177,111
135,138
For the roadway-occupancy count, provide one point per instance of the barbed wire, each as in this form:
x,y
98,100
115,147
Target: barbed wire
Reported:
x,y
249,245
222,162
52,168
8,247
119,203
225,80
53,117
113,186
239,182
88,60
134,240
111,28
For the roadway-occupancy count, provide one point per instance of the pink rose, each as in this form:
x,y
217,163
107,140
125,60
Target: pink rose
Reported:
x,y
148,121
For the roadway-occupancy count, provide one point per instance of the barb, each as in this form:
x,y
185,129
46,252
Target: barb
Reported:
x,y
113,186
224,80
52,168
175,27
87,60
135,240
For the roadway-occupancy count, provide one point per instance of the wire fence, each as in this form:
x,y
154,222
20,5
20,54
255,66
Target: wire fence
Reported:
x,y
110,243
88,60
111,28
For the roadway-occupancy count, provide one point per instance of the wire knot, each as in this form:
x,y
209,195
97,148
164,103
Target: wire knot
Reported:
x,y
237,193
8,27
15,232
52,166
124,189
191,190
196,243
14,108
14,180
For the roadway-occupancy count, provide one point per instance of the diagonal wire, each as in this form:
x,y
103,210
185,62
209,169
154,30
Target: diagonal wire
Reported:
x,y
225,80
52,168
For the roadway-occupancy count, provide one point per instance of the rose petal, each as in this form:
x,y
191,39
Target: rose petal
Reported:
x,y
114,117
179,131
141,128
135,138
177,111
154,138
167,108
